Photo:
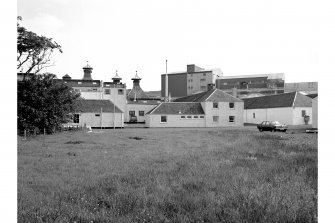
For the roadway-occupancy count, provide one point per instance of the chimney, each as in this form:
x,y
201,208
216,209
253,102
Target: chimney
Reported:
x,y
87,72
234,93
166,82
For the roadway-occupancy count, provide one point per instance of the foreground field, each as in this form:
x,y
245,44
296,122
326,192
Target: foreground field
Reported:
x,y
168,175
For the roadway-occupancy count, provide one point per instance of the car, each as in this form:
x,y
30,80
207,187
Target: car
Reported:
x,y
272,126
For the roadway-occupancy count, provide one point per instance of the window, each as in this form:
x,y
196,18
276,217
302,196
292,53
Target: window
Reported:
x,y
203,87
195,116
225,83
202,79
141,113
131,113
94,89
215,118
120,91
107,91
97,115
189,116
215,105
254,115
76,118
94,82
183,116
204,74
231,105
107,85
79,82
303,113
163,119
231,118
201,116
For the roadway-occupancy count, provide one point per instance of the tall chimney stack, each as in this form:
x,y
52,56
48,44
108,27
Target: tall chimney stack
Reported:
x,y
166,83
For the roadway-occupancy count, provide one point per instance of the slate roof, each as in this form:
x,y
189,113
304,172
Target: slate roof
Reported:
x,y
137,92
94,106
84,83
144,102
177,108
278,101
214,95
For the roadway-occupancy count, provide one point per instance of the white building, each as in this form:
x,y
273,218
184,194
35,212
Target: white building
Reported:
x,y
97,114
315,111
213,108
288,108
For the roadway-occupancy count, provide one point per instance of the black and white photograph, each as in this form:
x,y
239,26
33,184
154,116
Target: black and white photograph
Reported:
x,y
169,111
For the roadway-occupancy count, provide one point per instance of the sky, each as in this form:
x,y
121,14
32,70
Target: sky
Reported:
x,y
239,37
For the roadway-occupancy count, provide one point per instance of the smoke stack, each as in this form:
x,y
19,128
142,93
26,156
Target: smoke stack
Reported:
x,y
87,72
166,82
234,92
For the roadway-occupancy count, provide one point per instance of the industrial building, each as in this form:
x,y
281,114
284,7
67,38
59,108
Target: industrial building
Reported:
x,y
303,87
244,86
194,80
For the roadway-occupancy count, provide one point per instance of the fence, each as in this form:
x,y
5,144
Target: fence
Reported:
x,y
31,133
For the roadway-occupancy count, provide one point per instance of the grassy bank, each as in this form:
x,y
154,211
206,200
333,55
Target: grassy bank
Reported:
x,y
168,175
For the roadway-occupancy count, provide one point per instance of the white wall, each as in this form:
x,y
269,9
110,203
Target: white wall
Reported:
x,y
297,116
137,108
283,115
106,120
315,112
223,111
174,121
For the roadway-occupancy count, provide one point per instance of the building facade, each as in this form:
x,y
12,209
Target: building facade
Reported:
x,y
304,87
244,86
315,112
288,108
195,79
213,108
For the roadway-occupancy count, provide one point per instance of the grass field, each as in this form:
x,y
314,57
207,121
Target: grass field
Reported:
x,y
168,175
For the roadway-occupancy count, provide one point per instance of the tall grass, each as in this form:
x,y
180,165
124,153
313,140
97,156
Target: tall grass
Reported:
x,y
169,175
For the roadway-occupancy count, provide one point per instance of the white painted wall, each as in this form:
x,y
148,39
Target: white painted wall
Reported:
x,y
106,120
283,115
174,121
297,116
118,99
315,112
223,111
137,108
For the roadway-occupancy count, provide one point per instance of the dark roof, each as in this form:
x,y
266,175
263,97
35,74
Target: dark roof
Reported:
x,y
312,95
144,102
95,106
138,93
178,108
84,83
278,101
215,95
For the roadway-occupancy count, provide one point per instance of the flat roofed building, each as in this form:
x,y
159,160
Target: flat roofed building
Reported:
x,y
304,87
195,79
251,85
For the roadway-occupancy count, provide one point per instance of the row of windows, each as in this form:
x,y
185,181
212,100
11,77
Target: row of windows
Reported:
x,y
231,105
303,114
119,91
190,116
231,119
132,113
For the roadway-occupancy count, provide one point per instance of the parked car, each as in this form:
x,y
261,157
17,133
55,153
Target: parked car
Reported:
x,y
133,118
272,126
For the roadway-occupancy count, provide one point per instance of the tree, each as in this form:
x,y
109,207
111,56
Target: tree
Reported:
x,y
33,51
44,102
